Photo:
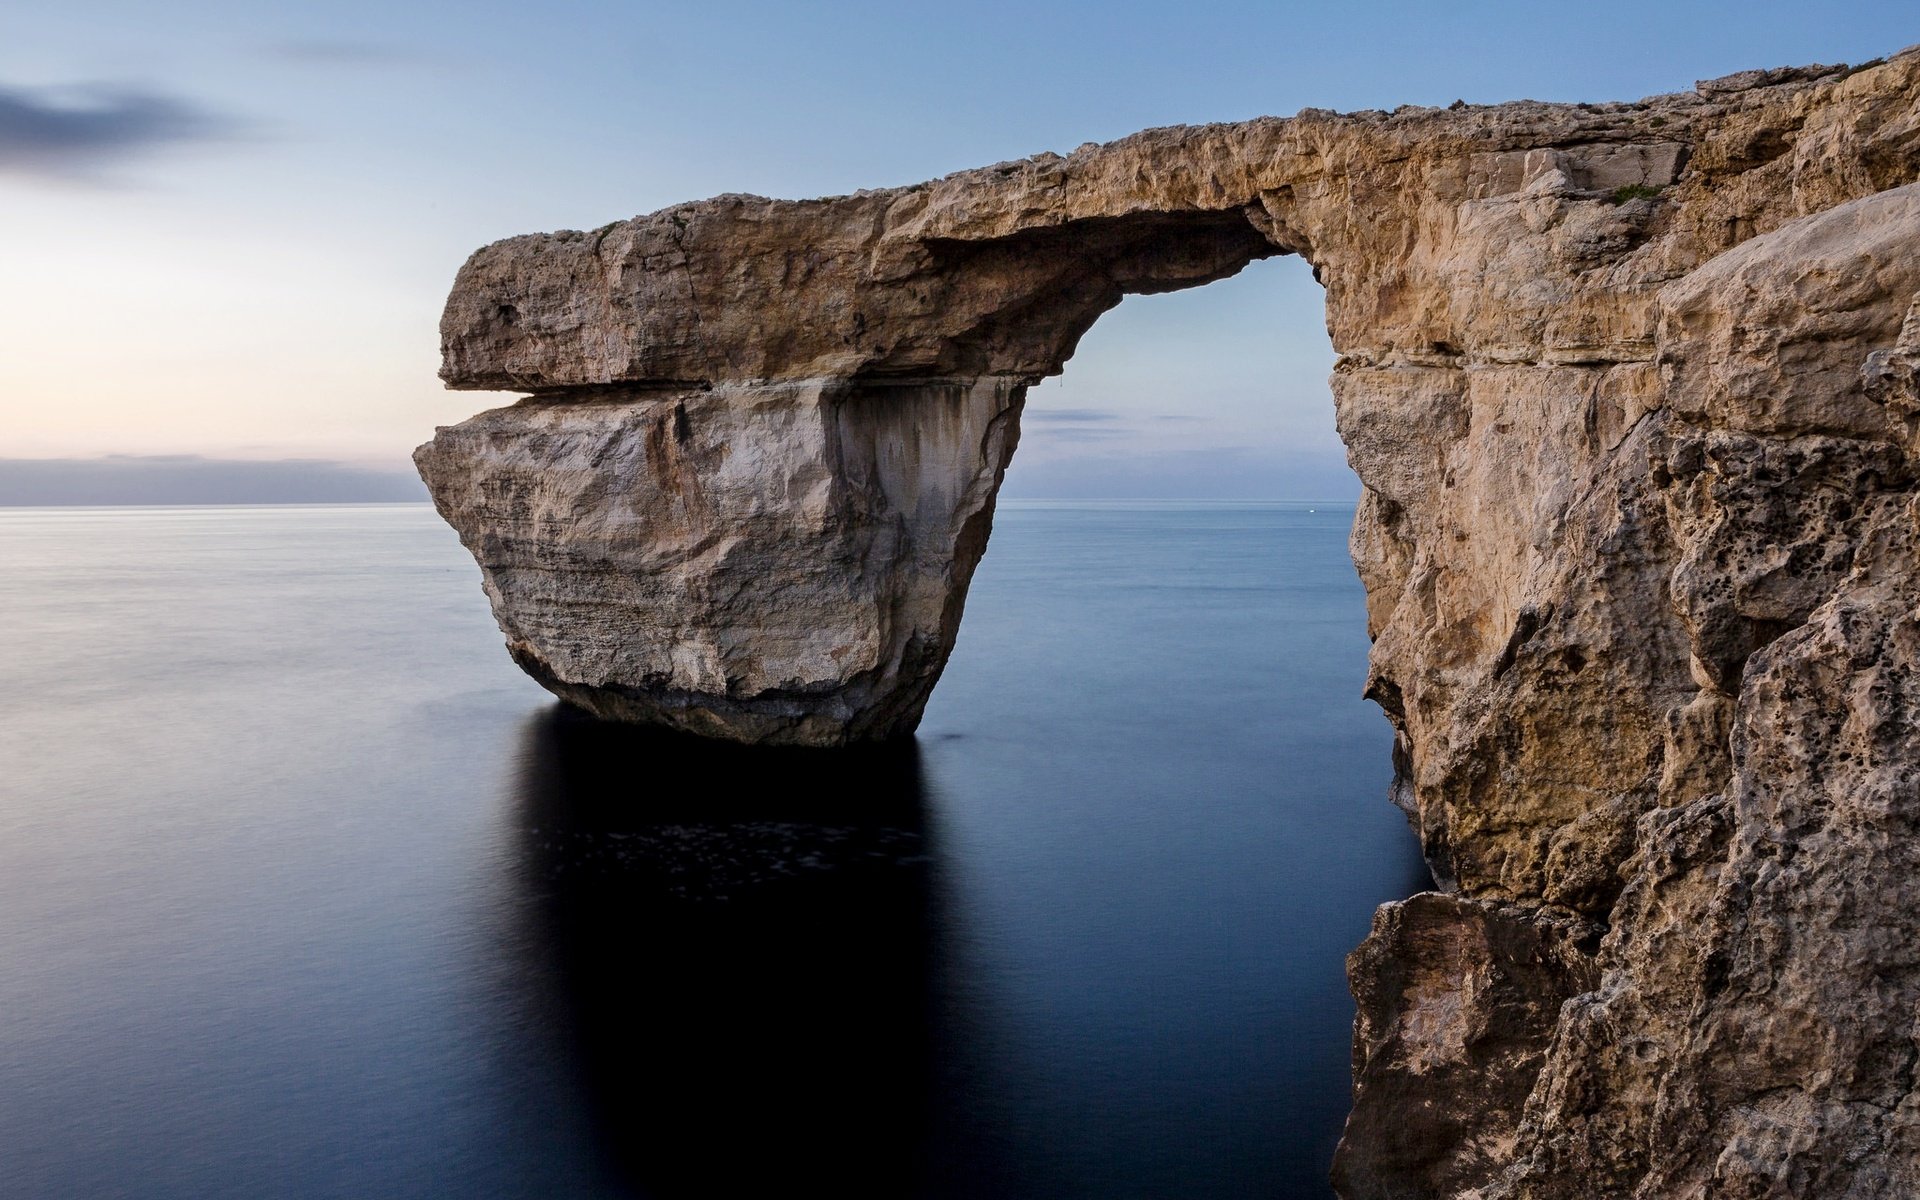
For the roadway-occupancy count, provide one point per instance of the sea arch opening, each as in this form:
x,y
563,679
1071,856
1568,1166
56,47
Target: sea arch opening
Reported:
x,y
1161,795
1212,392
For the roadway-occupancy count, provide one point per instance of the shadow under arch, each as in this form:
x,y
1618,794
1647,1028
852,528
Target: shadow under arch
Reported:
x,y
739,948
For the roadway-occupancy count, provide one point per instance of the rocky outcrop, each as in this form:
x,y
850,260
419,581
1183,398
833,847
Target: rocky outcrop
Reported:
x,y
1633,390
1457,1003
774,562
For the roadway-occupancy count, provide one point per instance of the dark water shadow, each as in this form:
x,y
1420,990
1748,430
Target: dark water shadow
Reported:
x,y
760,977
740,949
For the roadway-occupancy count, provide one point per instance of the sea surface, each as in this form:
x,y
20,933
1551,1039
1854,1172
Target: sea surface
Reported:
x,y
305,891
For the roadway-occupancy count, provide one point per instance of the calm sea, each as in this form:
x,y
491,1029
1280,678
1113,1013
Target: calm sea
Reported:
x,y
306,892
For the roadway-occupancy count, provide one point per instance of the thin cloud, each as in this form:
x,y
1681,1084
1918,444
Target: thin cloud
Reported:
x,y
1073,415
1068,434
1212,473
64,133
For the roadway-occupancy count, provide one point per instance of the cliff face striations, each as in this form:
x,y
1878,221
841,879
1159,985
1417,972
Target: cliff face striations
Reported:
x,y
1634,391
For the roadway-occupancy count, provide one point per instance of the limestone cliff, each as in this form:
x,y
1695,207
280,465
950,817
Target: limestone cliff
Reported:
x,y
1634,392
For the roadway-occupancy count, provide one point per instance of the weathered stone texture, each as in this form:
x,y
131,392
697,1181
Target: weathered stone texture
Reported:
x,y
1634,392
1457,1003
773,563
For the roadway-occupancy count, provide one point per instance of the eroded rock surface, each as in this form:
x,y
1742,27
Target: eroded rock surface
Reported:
x,y
1633,390
771,563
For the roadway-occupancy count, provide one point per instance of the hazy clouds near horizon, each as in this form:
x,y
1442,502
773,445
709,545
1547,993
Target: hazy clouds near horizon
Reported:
x,y
192,479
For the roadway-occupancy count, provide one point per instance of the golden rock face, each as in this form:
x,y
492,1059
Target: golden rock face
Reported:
x,y
1632,389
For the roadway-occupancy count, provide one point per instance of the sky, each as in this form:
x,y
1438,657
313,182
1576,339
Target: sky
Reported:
x,y
228,227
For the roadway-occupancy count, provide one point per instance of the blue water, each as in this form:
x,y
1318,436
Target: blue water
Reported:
x,y
306,892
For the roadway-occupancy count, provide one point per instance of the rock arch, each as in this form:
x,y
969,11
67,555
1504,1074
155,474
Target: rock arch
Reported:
x,y
787,520
1632,392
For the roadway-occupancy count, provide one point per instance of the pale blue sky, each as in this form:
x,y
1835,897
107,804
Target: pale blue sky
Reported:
x,y
245,252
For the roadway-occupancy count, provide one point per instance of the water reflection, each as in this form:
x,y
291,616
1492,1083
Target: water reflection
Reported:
x,y
741,949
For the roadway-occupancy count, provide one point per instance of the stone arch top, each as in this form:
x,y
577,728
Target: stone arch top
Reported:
x,y
997,271
739,288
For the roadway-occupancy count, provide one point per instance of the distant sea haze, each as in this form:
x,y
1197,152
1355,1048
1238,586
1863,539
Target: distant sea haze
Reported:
x,y
130,479
127,479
